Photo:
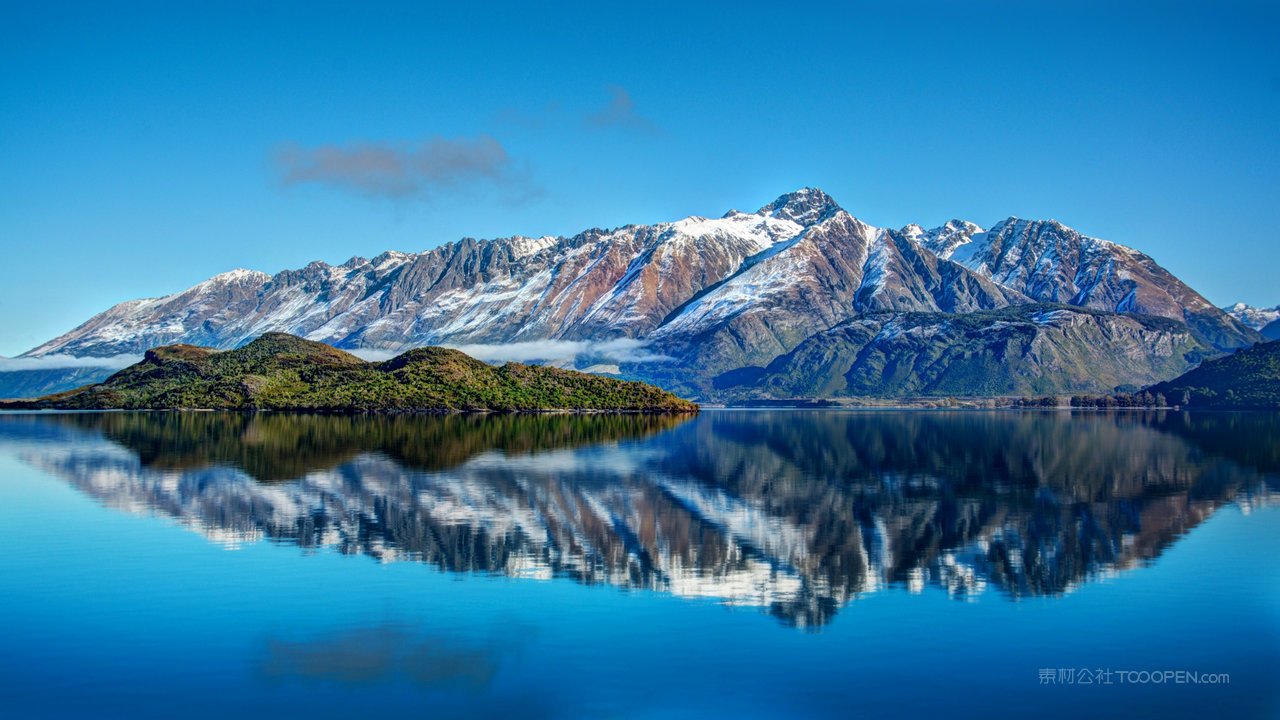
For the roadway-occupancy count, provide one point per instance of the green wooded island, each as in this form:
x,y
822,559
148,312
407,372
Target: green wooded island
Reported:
x,y
278,371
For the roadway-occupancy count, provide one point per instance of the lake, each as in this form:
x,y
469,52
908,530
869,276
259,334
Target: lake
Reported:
x,y
781,563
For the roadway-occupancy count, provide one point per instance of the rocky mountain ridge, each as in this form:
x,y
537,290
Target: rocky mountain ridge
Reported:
x,y
1265,320
709,300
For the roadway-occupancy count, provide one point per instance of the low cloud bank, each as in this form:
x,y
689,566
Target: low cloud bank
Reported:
x,y
66,362
621,350
559,352
373,354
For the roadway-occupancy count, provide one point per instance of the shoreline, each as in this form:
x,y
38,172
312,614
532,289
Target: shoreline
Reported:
x,y
21,407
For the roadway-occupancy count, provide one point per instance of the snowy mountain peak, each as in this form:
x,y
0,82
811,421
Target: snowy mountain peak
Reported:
x,y
944,239
767,279
1254,317
806,206
523,246
913,231
238,275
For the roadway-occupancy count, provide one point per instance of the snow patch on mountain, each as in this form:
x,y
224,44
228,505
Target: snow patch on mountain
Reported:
x,y
800,262
945,239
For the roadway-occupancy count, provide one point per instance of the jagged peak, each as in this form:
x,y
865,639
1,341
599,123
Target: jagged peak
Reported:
x,y
238,275
389,256
805,206
1017,225
958,224
955,225
1015,222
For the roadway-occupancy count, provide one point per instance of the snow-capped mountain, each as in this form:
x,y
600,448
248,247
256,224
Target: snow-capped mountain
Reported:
x,y
1051,262
943,240
597,284
1264,320
716,295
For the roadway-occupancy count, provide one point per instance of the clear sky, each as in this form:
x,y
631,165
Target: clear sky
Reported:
x,y
145,147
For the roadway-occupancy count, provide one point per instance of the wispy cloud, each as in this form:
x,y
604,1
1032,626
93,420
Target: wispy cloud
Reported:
x,y
372,354
621,113
620,350
66,362
564,351
404,170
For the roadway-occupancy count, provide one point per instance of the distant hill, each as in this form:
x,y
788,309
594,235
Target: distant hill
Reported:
x,y
278,371
1248,379
35,383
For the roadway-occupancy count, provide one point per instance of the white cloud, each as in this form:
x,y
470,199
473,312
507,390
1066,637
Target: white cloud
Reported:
x,y
66,362
621,350
372,354
562,351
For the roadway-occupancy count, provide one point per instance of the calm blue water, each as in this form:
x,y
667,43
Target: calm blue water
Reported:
x,y
740,564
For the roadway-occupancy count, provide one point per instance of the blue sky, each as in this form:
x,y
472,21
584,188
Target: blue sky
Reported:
x,y
145,147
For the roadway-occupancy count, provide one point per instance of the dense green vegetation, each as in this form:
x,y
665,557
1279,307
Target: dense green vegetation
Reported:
x,y
1248,379
282,372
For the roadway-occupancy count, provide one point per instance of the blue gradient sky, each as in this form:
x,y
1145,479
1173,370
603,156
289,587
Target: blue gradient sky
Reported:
x,y
141,144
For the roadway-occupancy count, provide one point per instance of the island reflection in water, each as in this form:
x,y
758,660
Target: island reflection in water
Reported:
x,y
795,512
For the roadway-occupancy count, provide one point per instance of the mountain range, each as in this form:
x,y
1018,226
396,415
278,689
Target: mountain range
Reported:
x,y
1264,320
799,298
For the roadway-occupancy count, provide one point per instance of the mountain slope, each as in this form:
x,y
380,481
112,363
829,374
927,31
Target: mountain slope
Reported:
x,y
836,269
597,284
1022,350
700,302
283,372
1265,320
35,383
1248,379
1051,262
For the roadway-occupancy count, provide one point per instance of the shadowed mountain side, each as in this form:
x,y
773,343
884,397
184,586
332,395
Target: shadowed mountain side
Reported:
x,y
1024,350
24,384
796,513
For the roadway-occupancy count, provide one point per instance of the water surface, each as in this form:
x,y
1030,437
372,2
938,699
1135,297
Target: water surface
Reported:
x,y
748,564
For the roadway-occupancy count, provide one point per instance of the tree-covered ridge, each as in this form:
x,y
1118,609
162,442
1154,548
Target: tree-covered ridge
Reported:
x,y
278,371
1247,379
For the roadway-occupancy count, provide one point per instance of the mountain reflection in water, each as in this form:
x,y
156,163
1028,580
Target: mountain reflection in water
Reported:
x,y
796,512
